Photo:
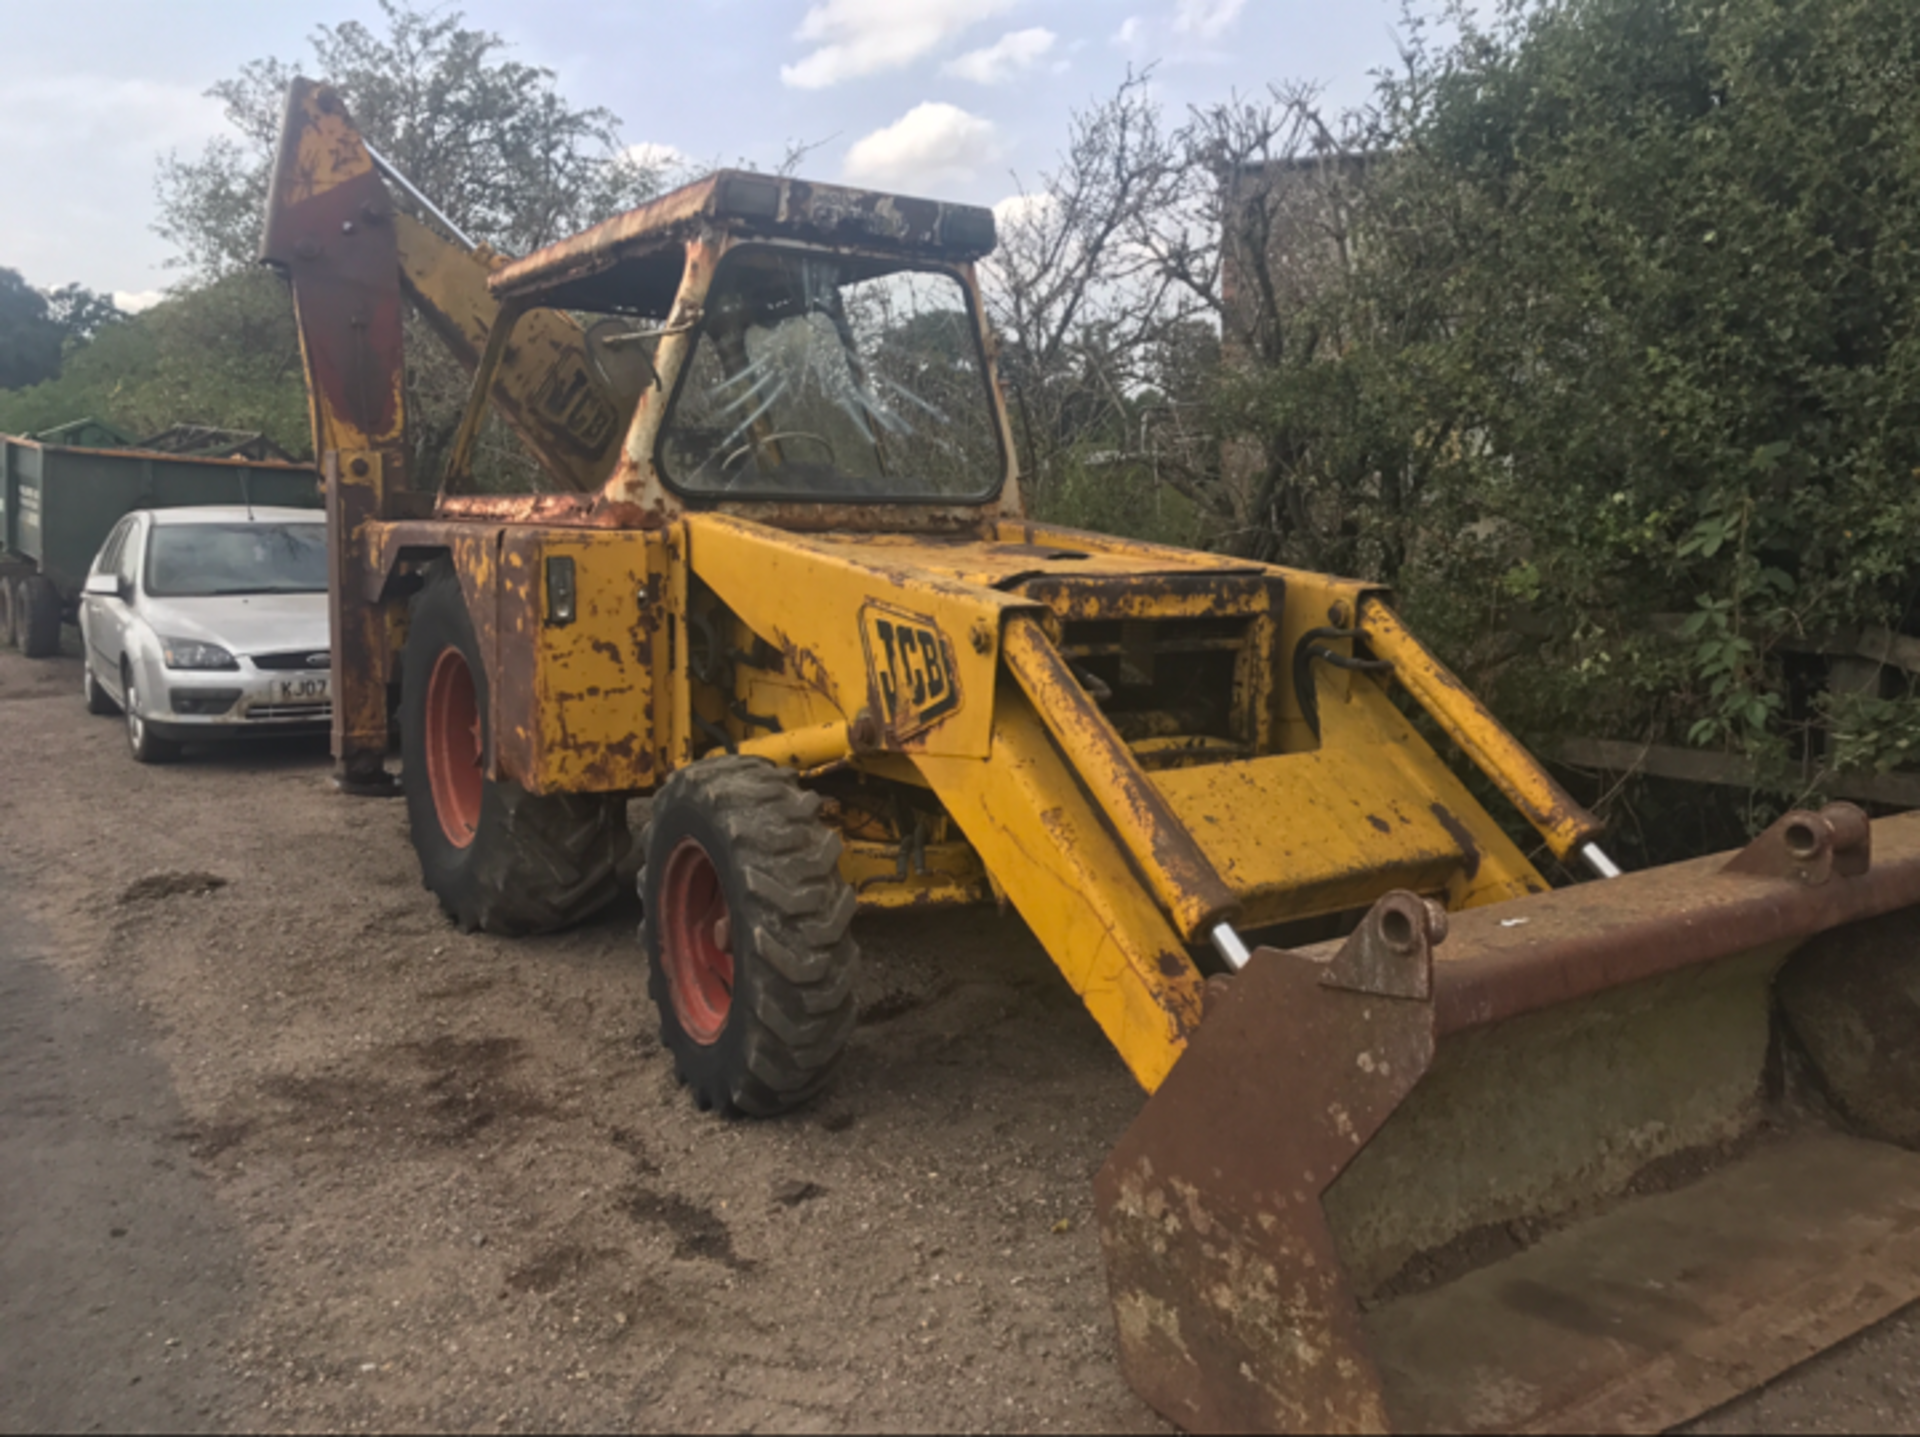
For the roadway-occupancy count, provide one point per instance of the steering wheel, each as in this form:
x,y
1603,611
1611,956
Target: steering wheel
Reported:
x,y
728,464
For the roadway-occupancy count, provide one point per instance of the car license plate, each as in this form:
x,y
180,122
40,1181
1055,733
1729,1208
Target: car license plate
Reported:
x,y
307,690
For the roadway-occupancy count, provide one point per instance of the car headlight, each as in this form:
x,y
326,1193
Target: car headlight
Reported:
x,y
192,654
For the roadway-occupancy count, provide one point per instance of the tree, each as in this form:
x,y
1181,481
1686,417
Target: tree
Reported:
x,y
225,354
488,138
1630,348
1148,254
29,336
80,313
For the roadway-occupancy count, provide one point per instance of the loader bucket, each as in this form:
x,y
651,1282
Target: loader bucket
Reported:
x,y
1598,1159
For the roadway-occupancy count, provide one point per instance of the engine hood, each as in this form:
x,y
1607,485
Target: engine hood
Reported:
x,y
245,623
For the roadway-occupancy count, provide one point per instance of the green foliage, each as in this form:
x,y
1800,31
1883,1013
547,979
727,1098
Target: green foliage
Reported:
x,y
29,337
1109,495
36,328
1632,344
225,355
80,313
1871,734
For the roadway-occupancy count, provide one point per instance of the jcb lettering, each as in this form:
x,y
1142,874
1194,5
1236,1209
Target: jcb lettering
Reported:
x,y
575,410
910,665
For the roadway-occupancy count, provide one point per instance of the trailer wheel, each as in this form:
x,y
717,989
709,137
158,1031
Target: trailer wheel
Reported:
x,y
498,858
9,601
36,617
749,959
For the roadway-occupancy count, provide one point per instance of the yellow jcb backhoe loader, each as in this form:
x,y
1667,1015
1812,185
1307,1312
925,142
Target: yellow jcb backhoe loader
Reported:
x,y
1484,1155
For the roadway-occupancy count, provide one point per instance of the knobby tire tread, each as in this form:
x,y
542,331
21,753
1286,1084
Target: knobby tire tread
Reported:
x,y
790,912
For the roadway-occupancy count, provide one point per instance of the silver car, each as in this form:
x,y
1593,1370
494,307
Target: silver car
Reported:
x,y
209,623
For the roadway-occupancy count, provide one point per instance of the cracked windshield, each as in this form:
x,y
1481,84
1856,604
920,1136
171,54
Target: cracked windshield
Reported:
x,y
816,378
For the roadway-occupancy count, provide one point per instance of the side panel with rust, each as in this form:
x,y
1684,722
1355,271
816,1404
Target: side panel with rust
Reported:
x,y
576,700
578,707
918,652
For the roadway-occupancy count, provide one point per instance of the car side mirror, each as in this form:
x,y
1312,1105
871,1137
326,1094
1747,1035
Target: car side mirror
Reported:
x,y
106,586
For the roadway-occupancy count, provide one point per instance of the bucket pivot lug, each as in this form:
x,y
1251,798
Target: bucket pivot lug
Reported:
x,y
1810,848
1391,953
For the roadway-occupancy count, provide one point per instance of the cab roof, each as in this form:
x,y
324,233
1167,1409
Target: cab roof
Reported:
x,y
633,261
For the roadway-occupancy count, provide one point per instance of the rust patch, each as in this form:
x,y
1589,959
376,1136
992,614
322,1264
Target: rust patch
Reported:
x,y
1225,594
574,271
1460,834
805,665
565,511
1232,1309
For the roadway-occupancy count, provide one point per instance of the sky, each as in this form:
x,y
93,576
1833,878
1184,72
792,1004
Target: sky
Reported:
x,y
957,99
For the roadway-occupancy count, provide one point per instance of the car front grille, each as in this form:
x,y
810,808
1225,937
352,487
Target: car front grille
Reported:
x,y
294,659
261,713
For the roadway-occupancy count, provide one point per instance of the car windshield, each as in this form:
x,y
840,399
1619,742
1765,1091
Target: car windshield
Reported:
x,y
201,560
823,377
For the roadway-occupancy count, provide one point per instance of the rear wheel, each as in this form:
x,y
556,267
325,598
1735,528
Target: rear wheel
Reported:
x,y
749,958
145,745
36,617
497,857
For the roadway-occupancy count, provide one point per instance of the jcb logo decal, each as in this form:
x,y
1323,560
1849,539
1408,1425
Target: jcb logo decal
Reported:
x,y
574,408
909,669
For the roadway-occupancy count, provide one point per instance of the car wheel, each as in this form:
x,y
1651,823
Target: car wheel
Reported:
x,y
145,744
98,700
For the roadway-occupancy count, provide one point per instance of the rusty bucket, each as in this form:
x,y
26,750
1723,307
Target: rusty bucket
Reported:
x,y
1599,1159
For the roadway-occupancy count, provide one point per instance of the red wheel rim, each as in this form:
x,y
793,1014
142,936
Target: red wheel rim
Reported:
x,y
455,756
696,942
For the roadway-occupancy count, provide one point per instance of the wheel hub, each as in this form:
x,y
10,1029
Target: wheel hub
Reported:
x,y
455,748
696,942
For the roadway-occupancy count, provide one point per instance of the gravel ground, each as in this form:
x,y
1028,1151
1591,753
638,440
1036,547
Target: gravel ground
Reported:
x,y
281,1149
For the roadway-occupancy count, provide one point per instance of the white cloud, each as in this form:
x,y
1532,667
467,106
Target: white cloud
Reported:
x,y
1207,19
862,37
930,146
133,301
652,155
1017,210
1128,32
999,62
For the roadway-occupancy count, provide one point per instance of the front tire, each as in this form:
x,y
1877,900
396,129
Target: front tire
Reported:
x,y
142,742
36,617
749,959
99,703
498,858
